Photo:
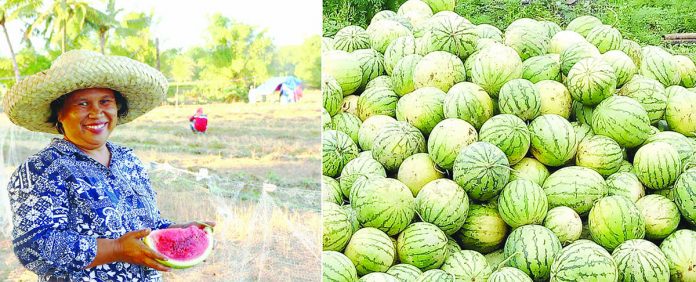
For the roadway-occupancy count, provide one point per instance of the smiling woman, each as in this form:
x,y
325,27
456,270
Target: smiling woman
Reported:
x,y
82,205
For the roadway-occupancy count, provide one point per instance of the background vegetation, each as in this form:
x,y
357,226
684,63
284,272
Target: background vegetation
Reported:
x,y
644,21
234,57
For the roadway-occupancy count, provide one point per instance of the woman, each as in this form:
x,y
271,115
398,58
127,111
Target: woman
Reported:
x,y
199,121
82,205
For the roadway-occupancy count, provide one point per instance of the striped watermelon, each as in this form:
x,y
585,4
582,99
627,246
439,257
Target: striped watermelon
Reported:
x,y
528,41
336,267
633,50
530,169
453,35
551,28
687,70
564,39
600,153
680,113
495,259
383,15
469,102
509,274
337,149
377,101
509,133
657,165
452,245
331,190
371,64
369,129
356,168
402,75
542,67
435,275
482,170
467,265
583,260
494,66
398,49
613,220
405,272
582,113
408,139
660,65
415,11
685,195
385,204
553,140
591,80
522,202
605,37
353,215
422,245
575,187
380,81
344,67
422,108
660,214
583,24
332,95
531,248
622,119
378,277
383,32
447,139
681,260
347,123
418,170
565,223
623,66
484,230
649,93
351,38
678,142
575,53
524,23
350,104
521,98
337,227
625,184
438,69
640,260
444,204
486,31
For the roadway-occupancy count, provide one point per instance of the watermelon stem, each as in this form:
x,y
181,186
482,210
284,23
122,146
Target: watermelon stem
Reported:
x,y
502,263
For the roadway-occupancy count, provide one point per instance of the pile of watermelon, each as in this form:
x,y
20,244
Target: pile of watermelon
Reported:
x,y
460,152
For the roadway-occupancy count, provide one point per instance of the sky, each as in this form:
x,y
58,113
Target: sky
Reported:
x,y
182,24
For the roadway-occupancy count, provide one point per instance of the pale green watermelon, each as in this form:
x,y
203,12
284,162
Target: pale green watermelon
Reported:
x,y
680,113
385,204
661,216
337,149
467,265
521,98
542,67
657,165
605,37
486,31
371,64
454,35
356,168
337,267
402,75
344,67
469,102
351,38
395,142
383,32
418,170
564,39
369,129
443,203
640,260
591,80
494,66
565,223
397,49
422,108
405,272
600,153
347,123
370,250
447,139
575,187
530,169
331,190
625,184
337,229
680,259
685,195
687,70
649,93
484,230
575,53
659,64
623,66
522,202
583,24
509,274
613,220
332,95
583,260
528,40
438,69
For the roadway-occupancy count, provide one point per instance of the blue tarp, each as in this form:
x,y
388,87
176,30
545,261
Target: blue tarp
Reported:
x,y
290,88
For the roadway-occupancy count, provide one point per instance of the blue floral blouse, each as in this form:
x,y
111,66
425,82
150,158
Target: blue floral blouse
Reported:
x,y
62,201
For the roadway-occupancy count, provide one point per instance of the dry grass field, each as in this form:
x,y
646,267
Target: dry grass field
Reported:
x,y
256,172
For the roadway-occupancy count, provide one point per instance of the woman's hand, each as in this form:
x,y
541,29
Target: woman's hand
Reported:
x,y
131,249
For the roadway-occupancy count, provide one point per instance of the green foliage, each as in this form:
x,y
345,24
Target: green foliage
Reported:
x,y
340,13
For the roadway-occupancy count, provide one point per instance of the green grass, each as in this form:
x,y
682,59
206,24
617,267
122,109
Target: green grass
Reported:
x,y
644,21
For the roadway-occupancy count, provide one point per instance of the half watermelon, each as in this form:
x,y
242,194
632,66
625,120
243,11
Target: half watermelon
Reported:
x,y
184,247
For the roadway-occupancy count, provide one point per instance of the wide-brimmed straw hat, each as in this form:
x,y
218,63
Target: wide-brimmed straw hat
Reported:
x,y
27,103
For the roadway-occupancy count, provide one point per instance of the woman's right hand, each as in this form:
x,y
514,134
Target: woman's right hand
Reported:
x,y
131,249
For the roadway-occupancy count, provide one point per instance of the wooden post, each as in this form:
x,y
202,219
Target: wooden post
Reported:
x,y
157,53
676,38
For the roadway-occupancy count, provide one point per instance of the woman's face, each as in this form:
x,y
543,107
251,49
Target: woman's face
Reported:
x,y
89,116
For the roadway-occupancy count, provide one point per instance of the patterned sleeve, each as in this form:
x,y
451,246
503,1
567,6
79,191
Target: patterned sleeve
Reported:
x,y
160,222
40,207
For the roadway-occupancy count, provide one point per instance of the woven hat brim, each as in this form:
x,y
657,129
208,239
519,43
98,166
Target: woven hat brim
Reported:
x,y
27,103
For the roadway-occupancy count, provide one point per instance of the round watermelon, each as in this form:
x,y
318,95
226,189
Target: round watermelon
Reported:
x,y
385,204
680,113
356,168
422,245
494,66
369,129
553,140
522,202
370,250
622,119
337,267
337,149
469,102
575,53
404,272
659,64
509,133
509,274
398,49
453,35
383,32
640,260
486,31
332,95
657,165
531,248
402,75
331,190
687,70
345,68
583,260
521,98
543,67
351,38
660,214
528,40
591,80
371,64
564,39
649,93
447,139
484,230
530,169
337,227
681,260
443,203
633,50
378,277
377,101
422,108
438,69
347,123
600,153
565,223
583,24
613,220
605,37
685,195
623,66
575,187
418,170
625,184
467,265
482,169
395,142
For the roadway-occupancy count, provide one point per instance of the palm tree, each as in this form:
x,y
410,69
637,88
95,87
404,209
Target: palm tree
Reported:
x,y
11,10
102,22
60,16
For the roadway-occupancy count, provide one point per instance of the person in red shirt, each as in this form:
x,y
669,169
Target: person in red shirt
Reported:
x,y
199,121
